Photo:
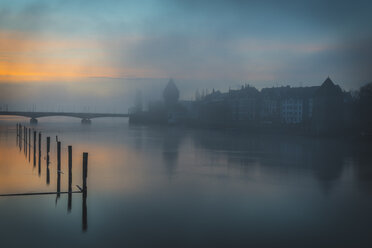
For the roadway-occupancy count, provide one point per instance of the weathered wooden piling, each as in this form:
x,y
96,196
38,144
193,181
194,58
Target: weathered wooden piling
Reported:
x,y
58,168
47,157
39,163
69,168
59,156
29,144
85,170
69,200
17,134
34,148
20,137
25,141
39,143
85,192
48,145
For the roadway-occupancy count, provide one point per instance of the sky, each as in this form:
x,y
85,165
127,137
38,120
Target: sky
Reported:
x,y
96,54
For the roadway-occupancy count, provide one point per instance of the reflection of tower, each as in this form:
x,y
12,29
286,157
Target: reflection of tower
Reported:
x,y
327,157
363,161
171,142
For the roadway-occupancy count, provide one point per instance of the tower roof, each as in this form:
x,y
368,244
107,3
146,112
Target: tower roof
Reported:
x,y
328,82
328,88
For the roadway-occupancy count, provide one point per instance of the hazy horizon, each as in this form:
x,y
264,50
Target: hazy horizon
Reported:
x,y
98,54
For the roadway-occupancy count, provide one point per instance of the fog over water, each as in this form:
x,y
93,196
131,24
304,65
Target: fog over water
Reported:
x,y
120,47
167,187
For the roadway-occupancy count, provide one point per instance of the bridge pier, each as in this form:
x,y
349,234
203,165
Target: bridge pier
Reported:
x,y
86,121
33,121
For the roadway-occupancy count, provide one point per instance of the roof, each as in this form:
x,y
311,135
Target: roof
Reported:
x,y
328,88
288,92
244,92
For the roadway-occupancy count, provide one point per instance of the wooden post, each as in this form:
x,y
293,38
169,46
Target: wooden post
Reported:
x,y
69,168
25,141
85,170
58,169
39,153
48,150
48,145
17,135
34,148
39,144
69,200
59,156
85,193
29,144
20,137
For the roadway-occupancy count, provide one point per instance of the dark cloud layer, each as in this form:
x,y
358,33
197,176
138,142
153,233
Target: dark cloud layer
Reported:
x,y
214,44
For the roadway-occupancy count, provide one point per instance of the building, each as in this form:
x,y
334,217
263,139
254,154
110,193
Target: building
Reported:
x,y
270,105
297,105
292,110
286,105
244,104
328,109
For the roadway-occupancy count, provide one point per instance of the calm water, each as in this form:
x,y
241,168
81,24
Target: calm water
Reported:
x,y
174,187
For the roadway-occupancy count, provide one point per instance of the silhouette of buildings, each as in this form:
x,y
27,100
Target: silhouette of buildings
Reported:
x,y
319,110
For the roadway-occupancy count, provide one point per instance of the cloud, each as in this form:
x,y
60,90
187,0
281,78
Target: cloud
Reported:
x,y
196,40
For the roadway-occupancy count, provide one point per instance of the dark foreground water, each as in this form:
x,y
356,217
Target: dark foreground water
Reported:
x,y
174,187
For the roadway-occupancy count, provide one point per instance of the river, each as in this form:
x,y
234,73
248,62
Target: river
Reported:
x,y
178,187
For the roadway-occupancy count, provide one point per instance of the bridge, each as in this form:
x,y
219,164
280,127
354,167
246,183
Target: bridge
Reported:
x,y
85,117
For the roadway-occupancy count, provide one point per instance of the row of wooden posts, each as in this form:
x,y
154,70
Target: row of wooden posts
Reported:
x,y
24,139
24,136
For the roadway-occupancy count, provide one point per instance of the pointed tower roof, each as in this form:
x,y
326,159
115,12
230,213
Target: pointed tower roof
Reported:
x,y
328,88
171,93
328,81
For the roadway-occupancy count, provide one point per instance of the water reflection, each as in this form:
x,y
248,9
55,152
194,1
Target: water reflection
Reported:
x,y
58,186
85,211
324,158
171,141
226,190
83,190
